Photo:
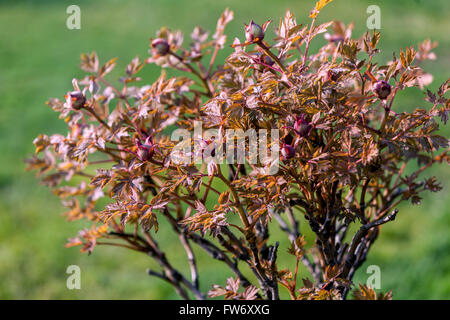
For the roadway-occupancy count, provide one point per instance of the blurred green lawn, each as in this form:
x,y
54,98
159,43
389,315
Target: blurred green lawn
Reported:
x,y
39,57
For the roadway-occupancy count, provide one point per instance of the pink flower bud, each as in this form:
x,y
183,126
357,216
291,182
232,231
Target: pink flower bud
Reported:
x,y
145,151
254,32
301,126
287,151
382,89
160,47
77,100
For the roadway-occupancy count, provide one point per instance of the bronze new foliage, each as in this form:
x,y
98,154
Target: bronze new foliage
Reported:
x,y
344,155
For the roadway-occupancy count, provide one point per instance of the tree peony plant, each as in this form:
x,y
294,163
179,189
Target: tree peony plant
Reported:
x,y
339,153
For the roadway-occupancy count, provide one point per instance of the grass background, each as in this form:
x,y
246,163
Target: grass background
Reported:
x,y
38,58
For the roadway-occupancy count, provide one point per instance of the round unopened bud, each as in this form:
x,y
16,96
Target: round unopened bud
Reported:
x,y
145,152
382,89
254,32
77,100
287,151
302,127
160,47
